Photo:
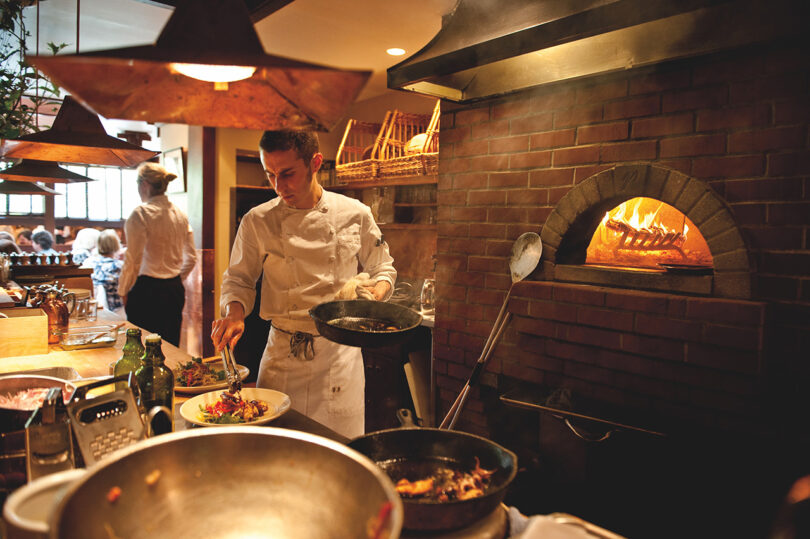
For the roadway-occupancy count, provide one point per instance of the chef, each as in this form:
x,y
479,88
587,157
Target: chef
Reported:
x,y
306,243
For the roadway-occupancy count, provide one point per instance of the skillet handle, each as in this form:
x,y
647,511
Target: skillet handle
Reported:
x,y
406,418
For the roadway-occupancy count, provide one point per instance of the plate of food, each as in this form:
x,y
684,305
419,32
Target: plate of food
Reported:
x,y
251,406
197,376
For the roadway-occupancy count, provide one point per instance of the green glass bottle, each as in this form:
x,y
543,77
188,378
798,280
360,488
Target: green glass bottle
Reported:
x,y
155,379
131,358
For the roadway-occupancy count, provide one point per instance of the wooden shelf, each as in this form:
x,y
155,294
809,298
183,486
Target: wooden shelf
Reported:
x,y
409,226
405,180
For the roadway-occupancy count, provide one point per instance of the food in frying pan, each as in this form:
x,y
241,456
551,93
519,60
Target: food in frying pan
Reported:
x,y
447,484
362,324
196,373
27,399
231,408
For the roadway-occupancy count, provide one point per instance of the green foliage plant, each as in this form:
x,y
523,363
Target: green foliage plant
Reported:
x,y
22,90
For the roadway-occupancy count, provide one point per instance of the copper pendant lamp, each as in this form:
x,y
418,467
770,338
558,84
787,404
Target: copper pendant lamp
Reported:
x,y
76,136
145,83
31,170
25,188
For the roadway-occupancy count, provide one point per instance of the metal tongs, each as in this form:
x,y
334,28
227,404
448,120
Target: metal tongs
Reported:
x,y
234,382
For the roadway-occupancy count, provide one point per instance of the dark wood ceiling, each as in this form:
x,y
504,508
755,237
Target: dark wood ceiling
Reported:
x,y
259,9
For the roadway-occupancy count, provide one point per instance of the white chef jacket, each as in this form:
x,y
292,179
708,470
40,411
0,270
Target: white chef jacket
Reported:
x,y
306,256
160,243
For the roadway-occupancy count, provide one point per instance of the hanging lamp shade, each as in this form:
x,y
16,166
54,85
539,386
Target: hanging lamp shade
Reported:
x,y
25,188
31,170
145,83
76,136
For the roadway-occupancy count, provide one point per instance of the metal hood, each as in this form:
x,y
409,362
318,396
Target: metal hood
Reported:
x,y
488,48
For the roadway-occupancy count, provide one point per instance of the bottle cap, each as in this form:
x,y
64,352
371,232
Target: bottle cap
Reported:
x,y
154,338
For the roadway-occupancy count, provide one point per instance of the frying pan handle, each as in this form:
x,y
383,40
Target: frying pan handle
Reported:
x,y
405,418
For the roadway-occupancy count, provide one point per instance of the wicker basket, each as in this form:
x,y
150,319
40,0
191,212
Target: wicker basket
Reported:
x,y
398,156
356,158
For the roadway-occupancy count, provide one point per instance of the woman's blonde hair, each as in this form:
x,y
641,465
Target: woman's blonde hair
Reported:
x,y
108,243
156,176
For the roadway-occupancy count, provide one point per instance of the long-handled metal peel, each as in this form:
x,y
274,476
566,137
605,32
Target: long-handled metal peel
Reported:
x,y
526,253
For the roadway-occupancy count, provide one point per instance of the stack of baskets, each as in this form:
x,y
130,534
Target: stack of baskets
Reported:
x,y
356,158
404,144
410,144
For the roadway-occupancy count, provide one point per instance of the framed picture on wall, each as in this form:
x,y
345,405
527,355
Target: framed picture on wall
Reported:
x,y
174,161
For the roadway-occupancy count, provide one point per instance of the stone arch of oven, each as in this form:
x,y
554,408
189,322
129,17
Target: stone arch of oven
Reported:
x,y
570,226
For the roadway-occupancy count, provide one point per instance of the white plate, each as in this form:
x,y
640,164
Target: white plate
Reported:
x,y
277,401
196,390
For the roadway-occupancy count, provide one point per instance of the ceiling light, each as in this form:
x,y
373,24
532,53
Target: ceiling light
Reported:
x,y
25,188
142,83
30,170
395,51
212,73
76,136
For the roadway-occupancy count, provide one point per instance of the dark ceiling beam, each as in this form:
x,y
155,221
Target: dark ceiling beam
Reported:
x,y
259,9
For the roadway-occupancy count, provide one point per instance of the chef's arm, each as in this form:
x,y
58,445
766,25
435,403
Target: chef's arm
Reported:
x,y
376,260
238,291
380,290
228,329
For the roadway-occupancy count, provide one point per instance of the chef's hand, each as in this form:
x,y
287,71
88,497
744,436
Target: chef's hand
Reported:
x,y
379,290
124,300
229,329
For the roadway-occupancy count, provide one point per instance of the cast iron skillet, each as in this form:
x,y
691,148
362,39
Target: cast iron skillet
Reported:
x,y
357,312
415,453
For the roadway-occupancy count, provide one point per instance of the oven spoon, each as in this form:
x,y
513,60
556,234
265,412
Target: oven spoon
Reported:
x,y
525,255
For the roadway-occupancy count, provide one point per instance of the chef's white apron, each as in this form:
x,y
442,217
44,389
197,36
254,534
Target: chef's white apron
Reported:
x,y
330,388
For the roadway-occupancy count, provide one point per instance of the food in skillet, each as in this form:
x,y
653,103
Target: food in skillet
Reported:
x,y
362,324
232,408
195,373
447,485
27,399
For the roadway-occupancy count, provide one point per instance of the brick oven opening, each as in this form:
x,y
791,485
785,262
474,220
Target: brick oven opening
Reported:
x,y
644,232
647,227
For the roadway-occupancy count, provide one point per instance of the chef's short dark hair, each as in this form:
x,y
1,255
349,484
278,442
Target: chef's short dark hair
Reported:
x,y
305,143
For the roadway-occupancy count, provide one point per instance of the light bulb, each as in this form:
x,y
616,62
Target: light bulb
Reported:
x,y
214,73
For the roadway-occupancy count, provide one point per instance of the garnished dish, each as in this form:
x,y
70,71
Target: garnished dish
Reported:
x,y
195,373
251,406
447,485
232,408
199,376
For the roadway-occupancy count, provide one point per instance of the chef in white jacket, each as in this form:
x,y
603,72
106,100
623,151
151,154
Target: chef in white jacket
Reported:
x,y
306,243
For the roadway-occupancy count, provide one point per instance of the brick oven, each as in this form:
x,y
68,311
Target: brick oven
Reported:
x,y
717,360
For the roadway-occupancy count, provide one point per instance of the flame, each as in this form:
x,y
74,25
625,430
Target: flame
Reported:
x,y
645,232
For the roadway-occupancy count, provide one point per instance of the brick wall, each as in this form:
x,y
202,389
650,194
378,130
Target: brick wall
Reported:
x,y
737,121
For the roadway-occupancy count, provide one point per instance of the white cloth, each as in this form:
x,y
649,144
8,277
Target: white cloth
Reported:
x,y
160,243
354,288
305,257
329,389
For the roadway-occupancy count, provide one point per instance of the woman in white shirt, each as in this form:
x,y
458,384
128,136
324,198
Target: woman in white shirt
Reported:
x,y
160,255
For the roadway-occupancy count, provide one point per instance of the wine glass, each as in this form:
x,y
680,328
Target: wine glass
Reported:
x,y
428,296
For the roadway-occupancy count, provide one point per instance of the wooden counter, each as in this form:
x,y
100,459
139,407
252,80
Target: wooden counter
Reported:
x,y
91,361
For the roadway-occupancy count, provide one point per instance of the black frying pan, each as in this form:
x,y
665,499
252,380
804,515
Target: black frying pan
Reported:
x,y
416,453
352,322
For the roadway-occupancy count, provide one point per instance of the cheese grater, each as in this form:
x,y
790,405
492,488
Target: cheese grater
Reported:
x,y
107,422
